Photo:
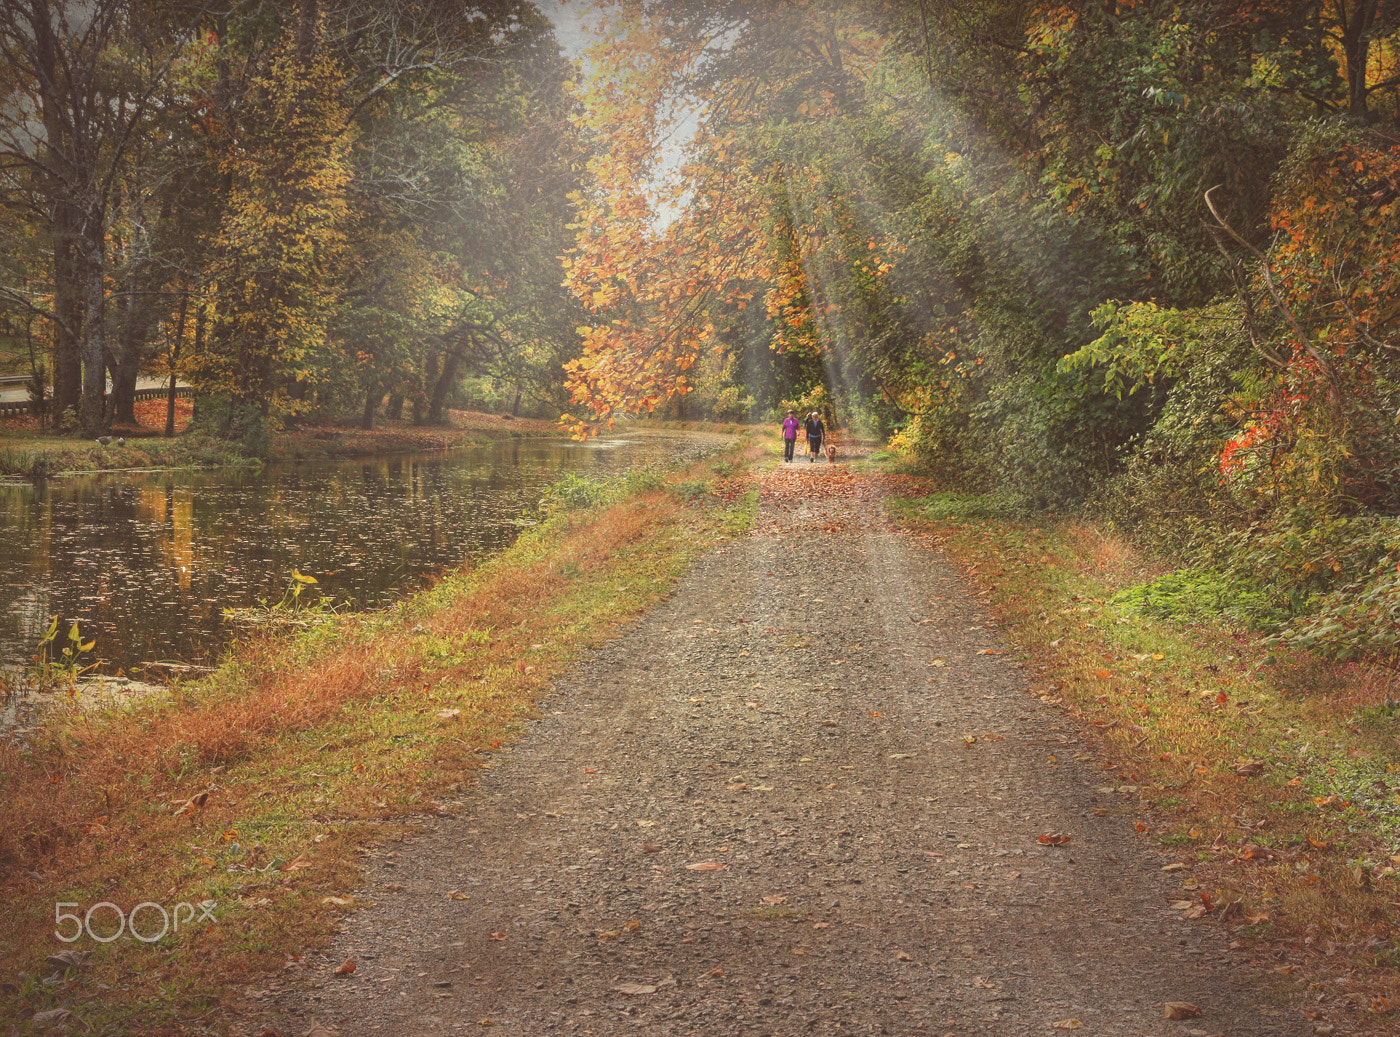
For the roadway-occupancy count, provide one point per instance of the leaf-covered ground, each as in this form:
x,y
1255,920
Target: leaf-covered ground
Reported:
x,y
811,792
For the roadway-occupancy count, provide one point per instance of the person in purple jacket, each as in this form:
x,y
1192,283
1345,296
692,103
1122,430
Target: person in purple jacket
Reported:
x,y
790,427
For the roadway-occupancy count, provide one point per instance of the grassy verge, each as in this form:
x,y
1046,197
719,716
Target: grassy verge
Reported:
x,y
259,787
1275,778
37,457
29,453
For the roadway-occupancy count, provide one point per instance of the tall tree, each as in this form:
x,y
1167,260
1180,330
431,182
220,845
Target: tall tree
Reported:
x,y
81,81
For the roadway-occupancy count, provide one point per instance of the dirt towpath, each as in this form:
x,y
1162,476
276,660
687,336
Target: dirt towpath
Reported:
x,y
768,809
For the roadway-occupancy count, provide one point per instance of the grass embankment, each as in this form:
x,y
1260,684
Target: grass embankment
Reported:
x,y
26,451
1275,777
259,786
38,457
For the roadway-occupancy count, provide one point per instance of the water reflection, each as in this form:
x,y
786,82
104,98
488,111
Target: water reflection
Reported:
x,y
147,563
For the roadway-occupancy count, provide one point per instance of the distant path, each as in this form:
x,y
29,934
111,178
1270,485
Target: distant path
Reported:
x,y
779,716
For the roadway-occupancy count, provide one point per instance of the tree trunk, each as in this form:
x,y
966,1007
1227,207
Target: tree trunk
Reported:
x,y
124,389
515,407
308,30
371,402
201,321
135,335
430,377
450,365
68,305
93,414
393,410
1356,45
59,182
175,365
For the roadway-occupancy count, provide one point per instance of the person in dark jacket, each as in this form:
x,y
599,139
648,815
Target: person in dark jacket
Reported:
x,y
815,431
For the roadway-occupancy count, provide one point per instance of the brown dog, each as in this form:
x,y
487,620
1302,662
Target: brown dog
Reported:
x,y
831,453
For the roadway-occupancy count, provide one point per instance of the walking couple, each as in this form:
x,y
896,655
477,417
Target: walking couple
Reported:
x,y
816,432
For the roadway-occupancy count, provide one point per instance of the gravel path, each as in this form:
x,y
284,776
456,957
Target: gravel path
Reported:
x,y
804,795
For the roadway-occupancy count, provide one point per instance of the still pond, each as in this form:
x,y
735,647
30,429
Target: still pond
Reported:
x,y
147,563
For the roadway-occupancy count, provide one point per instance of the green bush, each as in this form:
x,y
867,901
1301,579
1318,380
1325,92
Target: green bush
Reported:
x,y
573,492
691,489
1196,595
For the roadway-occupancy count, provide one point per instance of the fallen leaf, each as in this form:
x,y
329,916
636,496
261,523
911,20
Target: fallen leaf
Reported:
x,y
1180,1010
457,894
901,956
984,983
650,849
704,866
298,863
633,989
338,901
647,824
448,714
320,1029
1066,1024
1250,768
939,662
495,936
346,967
1053,840
775,899
195,802
70,959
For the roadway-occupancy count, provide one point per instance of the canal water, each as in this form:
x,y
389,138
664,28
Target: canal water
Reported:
x,y
147,564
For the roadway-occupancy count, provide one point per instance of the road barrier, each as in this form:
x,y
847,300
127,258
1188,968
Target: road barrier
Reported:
x,y
20,408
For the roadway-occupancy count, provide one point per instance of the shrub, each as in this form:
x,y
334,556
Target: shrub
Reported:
x,y
573,492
